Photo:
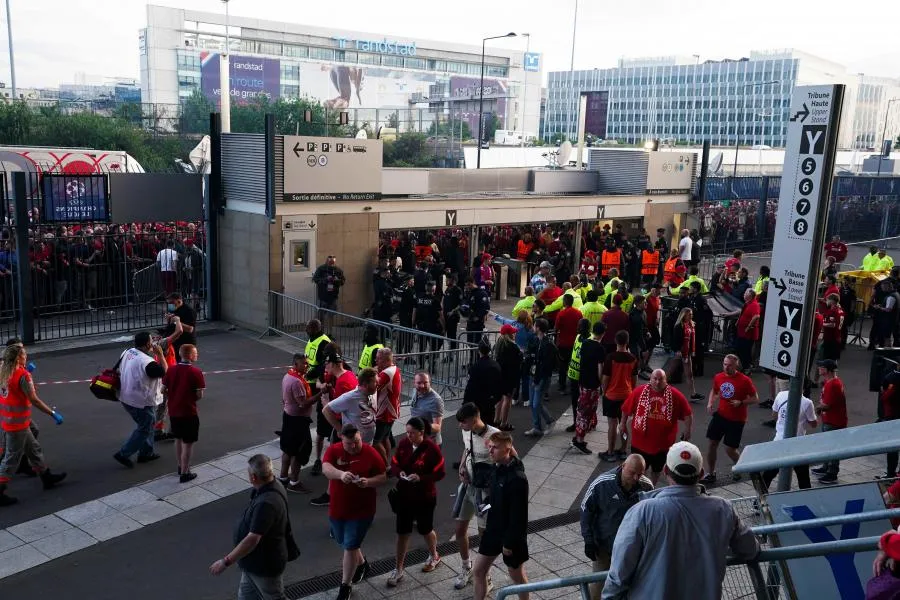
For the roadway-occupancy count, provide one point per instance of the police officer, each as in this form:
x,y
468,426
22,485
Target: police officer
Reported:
x,y
450,304
475,307
406,297
382,308
427,318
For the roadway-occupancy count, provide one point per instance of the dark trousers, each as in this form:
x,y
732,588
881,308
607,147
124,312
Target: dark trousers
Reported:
x,y
831,467
744,349
802,472
452,327
565,355
574,393
892,459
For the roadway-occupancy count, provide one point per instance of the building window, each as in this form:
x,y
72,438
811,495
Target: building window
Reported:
x,y
369,59
350,57
492,71
392,61
289,71
290,91
321,53
416,63
437,65
296,51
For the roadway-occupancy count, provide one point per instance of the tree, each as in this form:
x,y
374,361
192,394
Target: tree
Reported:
x,y
393,120
491,126
408,150
452,129
195,111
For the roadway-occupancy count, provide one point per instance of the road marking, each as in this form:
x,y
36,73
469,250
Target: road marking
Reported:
x,y
205,373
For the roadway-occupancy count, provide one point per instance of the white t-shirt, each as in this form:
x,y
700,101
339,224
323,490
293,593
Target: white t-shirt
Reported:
x,y
807,413
167,259
685,246
480,452
356,408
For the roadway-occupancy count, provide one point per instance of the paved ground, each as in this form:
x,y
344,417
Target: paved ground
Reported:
x,y
177,535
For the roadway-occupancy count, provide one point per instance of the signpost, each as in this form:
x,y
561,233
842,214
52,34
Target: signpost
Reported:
x,y
323,169
799,236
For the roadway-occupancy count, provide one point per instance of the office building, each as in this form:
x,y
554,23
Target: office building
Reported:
x,y
345,70
681,99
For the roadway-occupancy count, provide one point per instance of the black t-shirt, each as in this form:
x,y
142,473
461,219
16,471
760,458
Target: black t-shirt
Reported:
x,y
267,516
188,317
592,356
428,312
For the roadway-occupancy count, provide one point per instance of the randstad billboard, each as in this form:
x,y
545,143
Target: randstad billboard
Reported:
x,y
384,46
251,78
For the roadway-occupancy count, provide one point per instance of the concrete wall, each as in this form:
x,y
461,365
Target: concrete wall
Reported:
x,y
660,214
244,268
353,238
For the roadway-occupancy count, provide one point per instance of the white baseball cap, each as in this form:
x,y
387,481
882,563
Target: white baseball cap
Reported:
x,y
684,459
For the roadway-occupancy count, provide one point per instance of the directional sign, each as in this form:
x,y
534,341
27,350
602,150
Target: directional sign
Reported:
x,y
805,185
324,169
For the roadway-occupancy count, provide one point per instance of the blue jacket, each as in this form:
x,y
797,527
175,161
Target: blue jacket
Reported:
x,y
674,545
524,335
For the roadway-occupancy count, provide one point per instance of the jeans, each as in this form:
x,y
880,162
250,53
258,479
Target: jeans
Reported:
x,y
538,410
255,587
525,393
831,467
141,440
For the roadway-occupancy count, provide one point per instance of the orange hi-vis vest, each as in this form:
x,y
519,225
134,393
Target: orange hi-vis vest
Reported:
x,y
671,273
15,407
523,249
610,260
649,262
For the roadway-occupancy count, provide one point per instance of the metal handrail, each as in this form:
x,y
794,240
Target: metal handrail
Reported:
x,y
768,555
874,515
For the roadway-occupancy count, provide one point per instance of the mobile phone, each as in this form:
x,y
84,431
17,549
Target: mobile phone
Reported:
x,y
404,477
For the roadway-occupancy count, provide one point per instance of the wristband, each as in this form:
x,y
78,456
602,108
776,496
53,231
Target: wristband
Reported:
x,y
227,562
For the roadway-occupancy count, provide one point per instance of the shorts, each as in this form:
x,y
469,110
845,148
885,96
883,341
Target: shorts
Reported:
x,y
656,462
720,427
467,510
349,534
831,349
612,409
491,547
382,431
296,440
422,514
323,427
186,429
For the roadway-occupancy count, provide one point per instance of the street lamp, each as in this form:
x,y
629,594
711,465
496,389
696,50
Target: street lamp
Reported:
x,y
737,138
225,79
481,94
525,85
12,56
887,113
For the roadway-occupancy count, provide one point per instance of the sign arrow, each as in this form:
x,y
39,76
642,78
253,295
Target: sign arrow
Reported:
x,y
297,149
804,112
780,286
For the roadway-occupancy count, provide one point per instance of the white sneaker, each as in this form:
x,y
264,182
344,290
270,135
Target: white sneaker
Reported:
x,y
464,578
394,578
431,564
526,404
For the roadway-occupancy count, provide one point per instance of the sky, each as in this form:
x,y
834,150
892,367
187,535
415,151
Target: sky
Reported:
x,y
56,40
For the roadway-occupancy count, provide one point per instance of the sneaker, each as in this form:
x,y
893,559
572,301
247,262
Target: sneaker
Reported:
x,y
570,428
828,479
819,471
534,433
886,475
7,500
464,578
123,460
185,477
394,578
163,436
147,458
322,500
697,397
708,479
317,468
344,592
769,423
621,454
298,488
431,564
767,403
580,446
284,480
607,456
361,572
526,404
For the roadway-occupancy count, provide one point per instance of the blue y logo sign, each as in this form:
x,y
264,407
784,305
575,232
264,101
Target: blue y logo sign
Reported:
x,y
842,566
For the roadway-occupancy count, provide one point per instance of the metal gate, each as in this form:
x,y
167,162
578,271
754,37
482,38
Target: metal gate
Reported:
x,y
101,255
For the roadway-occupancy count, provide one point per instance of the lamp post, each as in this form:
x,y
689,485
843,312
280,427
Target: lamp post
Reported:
x,y
525,85
225,78
694,99
887,114
481,93
737,138
12,56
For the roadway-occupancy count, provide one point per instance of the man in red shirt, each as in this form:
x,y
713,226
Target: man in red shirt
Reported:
x,y
837,249
656,408
551,292
833,408
619,376
183,386
566,332
734,263
833,322
354,469
387,403
616,320
652,312
747,329
732,391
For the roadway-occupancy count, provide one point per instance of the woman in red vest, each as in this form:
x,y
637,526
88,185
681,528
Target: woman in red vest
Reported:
x,y
17,396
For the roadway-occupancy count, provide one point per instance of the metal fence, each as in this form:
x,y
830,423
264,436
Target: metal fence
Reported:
x,y
446,360
740,212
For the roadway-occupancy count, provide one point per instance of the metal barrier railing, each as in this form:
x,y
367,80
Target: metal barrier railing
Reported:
x,y
447,359
761,590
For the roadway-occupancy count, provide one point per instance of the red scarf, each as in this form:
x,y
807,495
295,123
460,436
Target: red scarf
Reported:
x,y
643,407
306,390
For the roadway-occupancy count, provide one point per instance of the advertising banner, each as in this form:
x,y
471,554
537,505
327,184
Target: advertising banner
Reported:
x,y
74,199
340,87
250,77
595,115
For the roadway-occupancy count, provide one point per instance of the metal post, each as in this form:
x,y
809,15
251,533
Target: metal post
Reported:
x,y
215,206
525,87
887,111
810,300
225,79
481,107
270,166
761,212
23,264
574,32
12,54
